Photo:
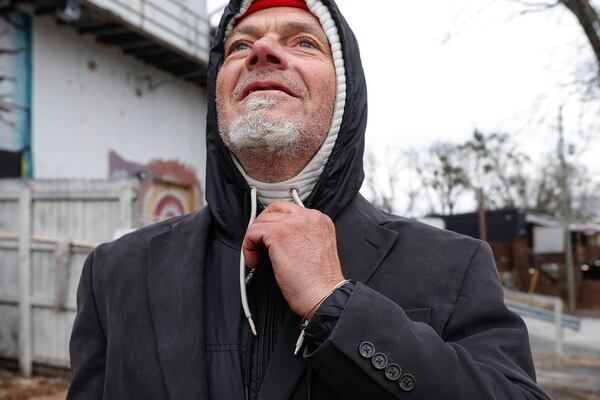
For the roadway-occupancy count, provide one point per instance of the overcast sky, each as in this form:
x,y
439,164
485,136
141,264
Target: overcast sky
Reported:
x,y
494,70
499,71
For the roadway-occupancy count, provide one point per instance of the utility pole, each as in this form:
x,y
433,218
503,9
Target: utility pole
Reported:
x,y
481,215
566,210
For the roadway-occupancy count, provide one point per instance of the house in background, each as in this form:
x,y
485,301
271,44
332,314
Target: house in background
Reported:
x,y
530,255
83,79
103,111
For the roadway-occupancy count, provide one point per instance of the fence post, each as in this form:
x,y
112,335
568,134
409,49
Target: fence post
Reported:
x,y
62,255
25,359
126,204
558,314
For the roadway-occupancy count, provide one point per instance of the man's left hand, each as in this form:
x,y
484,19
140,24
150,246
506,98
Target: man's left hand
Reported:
x,y
303,250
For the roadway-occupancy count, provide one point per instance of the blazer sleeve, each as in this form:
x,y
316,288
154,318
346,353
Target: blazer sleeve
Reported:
x,y
483,352
87,347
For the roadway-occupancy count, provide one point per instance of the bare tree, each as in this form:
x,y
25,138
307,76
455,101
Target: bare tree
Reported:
x,y
381,182
443,174
508,177
388,181
587,15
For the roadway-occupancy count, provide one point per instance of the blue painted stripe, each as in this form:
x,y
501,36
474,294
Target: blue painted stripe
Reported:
x,y
23,41
542,314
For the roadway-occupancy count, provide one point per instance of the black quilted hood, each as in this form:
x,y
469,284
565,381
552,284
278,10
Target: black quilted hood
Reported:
x,y
227,193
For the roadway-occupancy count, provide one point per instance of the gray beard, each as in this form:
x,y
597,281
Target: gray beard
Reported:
x,y
256,132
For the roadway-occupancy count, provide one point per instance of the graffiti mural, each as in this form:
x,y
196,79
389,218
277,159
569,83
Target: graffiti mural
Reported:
x,y
168,188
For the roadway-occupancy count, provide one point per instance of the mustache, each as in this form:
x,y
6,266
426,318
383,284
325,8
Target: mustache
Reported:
x,y
272,74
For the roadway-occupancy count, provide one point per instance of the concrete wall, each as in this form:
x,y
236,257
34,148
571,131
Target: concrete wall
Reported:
x,y
90,98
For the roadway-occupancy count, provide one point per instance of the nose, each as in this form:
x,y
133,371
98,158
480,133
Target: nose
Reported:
x,y
266,52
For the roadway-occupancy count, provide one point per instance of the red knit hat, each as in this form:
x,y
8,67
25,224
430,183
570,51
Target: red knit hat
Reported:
x,y
262,4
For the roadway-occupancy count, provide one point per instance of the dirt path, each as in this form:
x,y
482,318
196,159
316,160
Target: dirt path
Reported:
x,y
13,387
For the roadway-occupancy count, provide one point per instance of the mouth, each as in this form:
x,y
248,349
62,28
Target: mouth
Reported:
x,y
266,85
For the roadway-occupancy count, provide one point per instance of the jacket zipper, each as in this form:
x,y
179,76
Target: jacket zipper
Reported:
x,y
268,328
260,347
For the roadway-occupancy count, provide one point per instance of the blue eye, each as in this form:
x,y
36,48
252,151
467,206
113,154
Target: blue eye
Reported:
x,y
306,44
240,46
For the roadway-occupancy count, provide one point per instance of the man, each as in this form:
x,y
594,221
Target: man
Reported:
x,y
374,306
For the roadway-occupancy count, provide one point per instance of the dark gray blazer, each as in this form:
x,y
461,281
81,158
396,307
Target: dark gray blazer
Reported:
x,y
428,301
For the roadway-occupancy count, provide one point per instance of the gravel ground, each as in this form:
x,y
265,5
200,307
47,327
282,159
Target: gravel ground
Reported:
x,y
13,387
567,394
569,377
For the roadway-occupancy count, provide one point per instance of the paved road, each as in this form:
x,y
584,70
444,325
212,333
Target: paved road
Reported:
x,y
584,343
575,375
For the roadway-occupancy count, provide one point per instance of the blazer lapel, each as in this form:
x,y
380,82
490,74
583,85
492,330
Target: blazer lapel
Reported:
x,y
362,246
363,243
175,279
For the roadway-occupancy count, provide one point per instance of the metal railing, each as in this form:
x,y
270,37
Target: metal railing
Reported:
x,y
543,308
170,21
542,314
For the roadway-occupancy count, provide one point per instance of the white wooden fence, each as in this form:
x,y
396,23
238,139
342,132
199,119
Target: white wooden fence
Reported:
x,y
47,228
536,305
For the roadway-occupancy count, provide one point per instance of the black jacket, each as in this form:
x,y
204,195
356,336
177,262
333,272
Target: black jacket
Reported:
x,y
427,301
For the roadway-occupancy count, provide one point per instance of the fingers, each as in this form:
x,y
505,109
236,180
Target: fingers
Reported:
x,y
277,222
256,236
282,206
277,211
271,217
251,252
280,210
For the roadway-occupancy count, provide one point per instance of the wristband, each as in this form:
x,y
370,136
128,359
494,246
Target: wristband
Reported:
x,y
306,320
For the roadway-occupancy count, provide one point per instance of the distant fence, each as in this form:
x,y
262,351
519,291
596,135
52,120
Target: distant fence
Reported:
x,y
536,306
47,228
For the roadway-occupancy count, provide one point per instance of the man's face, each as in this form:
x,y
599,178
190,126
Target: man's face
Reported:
x,y
276,86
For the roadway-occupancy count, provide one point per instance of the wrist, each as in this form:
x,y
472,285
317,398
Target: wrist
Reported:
x,y
325,292
310,312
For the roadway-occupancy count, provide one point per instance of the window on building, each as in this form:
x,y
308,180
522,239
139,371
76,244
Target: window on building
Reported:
x,y
10,164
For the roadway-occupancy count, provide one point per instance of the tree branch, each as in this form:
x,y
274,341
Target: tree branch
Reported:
x,y
587,16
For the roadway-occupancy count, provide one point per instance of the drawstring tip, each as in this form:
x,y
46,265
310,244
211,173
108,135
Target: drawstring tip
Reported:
x,y
300,340
252,327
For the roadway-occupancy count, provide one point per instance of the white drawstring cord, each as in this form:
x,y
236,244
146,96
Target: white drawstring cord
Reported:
x,y
243,265
296,197
243,295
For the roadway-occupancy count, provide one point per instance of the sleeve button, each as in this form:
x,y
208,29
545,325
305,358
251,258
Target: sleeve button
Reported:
x,y
366,349
407,382
379,361
393,372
